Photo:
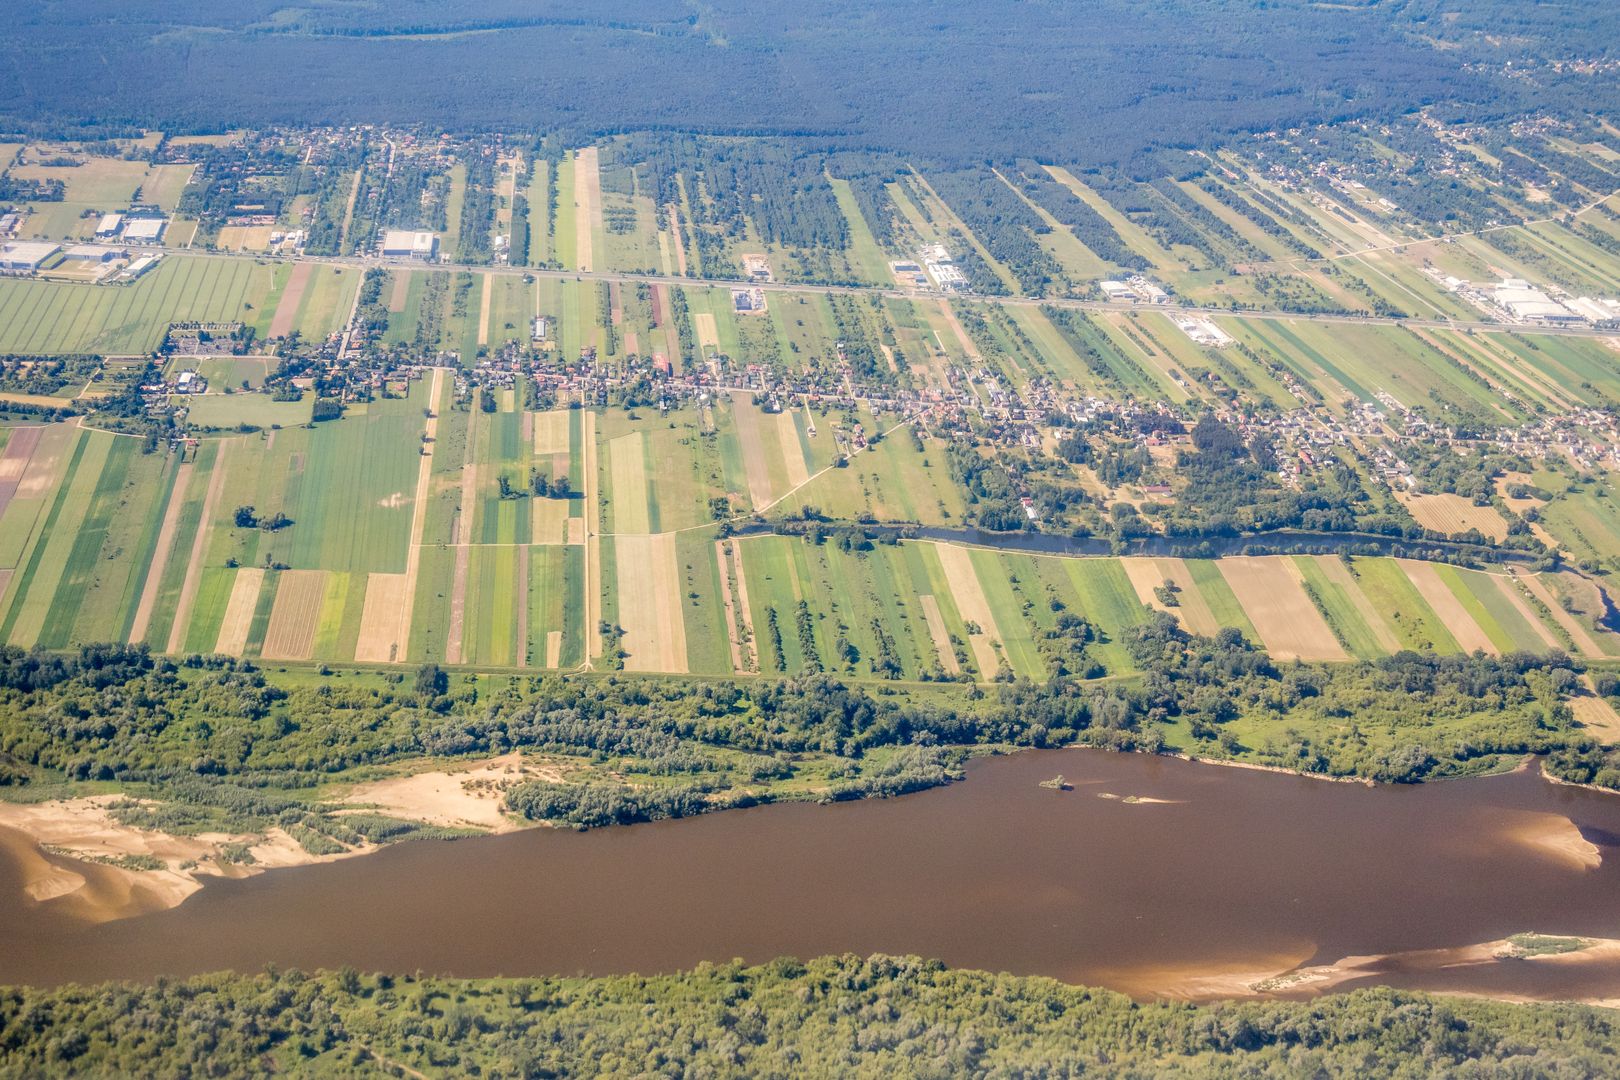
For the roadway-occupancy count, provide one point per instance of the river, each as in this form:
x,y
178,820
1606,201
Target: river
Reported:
x,y
1230,872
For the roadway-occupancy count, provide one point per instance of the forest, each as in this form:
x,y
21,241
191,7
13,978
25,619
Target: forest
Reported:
x,y
832,1016
1102,81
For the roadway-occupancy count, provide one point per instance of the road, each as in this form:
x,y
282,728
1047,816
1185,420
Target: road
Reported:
x,y
917,294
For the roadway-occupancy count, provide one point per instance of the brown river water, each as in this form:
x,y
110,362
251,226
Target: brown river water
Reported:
x,y
1235,872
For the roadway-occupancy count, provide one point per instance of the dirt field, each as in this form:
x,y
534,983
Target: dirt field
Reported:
x,y
627,469
1275,602
455,634
1192,610
708,336
1595,714
400,292
549,521
787,433
649,580
296,614
380,641
941,636
287,310
748,420
14,462
1507,480
233,632
957,562
1453,616
483,309
551,433
554,640
244,237
188,588
1453,514
1334,570
45,463
588,197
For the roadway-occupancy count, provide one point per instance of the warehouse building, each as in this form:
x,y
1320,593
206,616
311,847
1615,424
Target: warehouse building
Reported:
x,y
404,244
24,256
109,226
144,230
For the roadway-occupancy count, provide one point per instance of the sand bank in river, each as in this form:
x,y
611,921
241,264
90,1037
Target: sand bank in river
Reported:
x,y
1287,976
74,853
1557,837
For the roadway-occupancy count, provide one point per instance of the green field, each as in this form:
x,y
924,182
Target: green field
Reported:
x,y
49,317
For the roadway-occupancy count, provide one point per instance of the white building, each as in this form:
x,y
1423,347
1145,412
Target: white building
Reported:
x,y
26,255
1599,312
109,226
144,230
92,253
1524,302
404,244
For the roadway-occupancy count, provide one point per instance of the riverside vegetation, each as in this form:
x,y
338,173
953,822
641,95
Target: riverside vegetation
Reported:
x,y
844,1016
210,743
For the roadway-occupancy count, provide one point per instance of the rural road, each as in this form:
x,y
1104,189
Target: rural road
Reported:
x,y
913,294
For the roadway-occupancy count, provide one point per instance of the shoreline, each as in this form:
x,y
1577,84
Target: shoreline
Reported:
x,y
50,844
1255,766
466,795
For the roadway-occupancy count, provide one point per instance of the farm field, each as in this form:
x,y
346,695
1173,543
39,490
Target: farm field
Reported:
x,y
47,317
357,519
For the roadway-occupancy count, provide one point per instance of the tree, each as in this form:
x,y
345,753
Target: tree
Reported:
x,y
431,680
246,518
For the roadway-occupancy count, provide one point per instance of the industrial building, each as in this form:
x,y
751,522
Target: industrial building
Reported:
x,y
25,256
1600,312
404,244
109,226
92,253
1523,302
144,230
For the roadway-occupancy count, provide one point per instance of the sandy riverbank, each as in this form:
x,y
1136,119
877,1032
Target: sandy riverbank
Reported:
x,y
1288,976
74,854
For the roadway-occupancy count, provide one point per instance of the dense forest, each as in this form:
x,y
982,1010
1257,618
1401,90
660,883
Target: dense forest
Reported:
x,y
1104,80
833,1016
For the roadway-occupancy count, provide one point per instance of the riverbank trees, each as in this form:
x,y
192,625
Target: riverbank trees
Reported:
x,y
212,743
833,1016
